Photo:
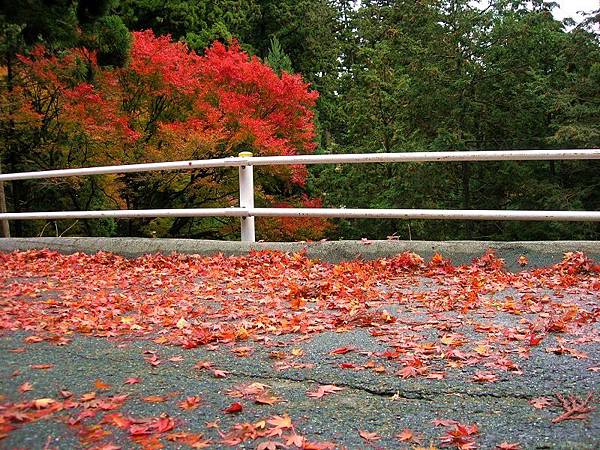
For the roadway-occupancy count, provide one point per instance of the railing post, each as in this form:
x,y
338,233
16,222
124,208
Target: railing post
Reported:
x,y
247,198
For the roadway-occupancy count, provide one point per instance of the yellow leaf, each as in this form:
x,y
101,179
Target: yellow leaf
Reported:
x,y
182,323
43,402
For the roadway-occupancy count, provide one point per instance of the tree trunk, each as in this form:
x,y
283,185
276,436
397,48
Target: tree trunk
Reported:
x,y
4,224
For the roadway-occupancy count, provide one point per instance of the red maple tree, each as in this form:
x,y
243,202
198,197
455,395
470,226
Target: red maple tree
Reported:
x,y
170,103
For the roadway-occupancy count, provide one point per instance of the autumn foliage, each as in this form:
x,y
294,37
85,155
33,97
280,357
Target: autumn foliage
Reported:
x,y
169,103
107,296
245,305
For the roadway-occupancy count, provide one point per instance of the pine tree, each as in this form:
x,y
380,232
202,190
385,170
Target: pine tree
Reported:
x,y
277,59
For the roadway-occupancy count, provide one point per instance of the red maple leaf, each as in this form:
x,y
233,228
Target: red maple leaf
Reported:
x,y
483,376
235,407
341,350
460,436
324,390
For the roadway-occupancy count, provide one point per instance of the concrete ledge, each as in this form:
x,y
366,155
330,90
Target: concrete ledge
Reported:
x,y
539,253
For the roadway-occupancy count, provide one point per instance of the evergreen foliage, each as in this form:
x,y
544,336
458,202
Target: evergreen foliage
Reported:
x,y
277,59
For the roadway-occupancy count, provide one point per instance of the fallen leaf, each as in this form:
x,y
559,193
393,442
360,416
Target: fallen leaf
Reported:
x,y
444,422
203,365
266,399
117,420
280,421
483,376
270,445
66,394
101,385
297,352
220,373
182,323
89,396
25,387
235,407
461,436
295,439
508,446
368,436
540,402
341,351
41,403
155,398
574,407
324,390
190,403
406,435
214,424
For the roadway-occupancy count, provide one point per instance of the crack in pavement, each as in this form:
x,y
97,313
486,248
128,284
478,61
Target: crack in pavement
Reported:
x,y
398,393
388,393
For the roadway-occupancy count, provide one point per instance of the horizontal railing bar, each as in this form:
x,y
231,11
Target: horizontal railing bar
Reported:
x,y
576,216
128,213
363,158
464,214
126,168
496,155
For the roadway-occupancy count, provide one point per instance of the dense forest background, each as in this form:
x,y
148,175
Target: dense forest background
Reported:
x,y
391,76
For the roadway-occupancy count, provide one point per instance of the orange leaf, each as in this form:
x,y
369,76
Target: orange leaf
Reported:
x,y
266,399
280,422
324,390
540,402
155,398
190,403
406,435
368,436
41,403
26,387
88,397
101,385
42,366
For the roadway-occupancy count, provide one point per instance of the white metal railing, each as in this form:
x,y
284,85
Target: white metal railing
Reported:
x,y
247,212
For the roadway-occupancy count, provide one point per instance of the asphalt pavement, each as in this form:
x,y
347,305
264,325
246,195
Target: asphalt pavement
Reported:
x,y
373,399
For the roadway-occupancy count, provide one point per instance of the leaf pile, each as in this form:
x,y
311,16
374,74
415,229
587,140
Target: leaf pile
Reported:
x,y
191,301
